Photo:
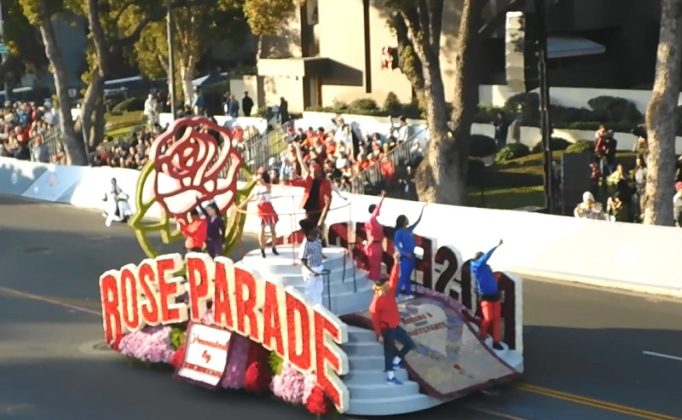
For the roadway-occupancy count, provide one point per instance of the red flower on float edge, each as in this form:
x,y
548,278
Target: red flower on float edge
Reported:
x,y
188,162
257,377
179,356
317,402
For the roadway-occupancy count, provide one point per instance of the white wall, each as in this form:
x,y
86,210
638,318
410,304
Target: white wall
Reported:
x,y
497,95
628,256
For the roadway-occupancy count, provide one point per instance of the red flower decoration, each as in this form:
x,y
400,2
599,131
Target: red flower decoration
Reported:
x,y
188,160
257,377
179,356
317,403
117,342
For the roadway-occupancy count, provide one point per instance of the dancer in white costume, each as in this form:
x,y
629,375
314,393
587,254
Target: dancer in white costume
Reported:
x,y
116,208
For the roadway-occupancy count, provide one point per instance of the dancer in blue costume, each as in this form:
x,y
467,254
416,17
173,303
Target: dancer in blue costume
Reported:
x,y
404,243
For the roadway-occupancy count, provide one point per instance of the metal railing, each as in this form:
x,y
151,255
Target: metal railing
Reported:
x,y
257,150
401,155
53,139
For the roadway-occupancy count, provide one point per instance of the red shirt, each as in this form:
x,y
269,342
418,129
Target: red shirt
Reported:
x,y
384,308
307,183
374,230
195,232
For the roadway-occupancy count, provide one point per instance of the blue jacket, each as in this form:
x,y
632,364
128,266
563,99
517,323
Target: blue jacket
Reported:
x,y
404,240
487,284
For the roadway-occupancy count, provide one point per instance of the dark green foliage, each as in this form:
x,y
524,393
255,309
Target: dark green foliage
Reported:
x,y
557,144
611,109
581,146
482,146
512,151
526,104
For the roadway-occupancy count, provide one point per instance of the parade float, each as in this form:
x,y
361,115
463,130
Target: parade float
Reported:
x,y
247,325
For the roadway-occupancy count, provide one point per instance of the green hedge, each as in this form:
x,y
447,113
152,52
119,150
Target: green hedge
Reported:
x,y
581,146
557,143
482,146
512,151
126,105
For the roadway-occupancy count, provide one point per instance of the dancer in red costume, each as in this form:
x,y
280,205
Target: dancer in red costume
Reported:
x,y
490,296
375,237
266,211
195,231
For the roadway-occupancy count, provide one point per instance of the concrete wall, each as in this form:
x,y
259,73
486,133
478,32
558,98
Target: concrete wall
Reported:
x,y
561,248
497,95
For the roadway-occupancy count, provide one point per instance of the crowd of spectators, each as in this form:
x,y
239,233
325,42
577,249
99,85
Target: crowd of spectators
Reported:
x,y
623,190
344,154
25,128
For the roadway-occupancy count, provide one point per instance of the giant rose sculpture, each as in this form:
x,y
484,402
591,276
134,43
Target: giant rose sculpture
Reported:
x,y
192,160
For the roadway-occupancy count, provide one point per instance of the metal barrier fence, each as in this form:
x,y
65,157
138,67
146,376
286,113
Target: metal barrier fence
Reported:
x,y
257,150
53,139
401,155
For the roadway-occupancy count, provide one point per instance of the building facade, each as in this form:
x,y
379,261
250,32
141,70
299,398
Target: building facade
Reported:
x,y
332,50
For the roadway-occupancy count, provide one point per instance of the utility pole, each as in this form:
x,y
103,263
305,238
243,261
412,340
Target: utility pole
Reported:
x,y
171,61
5,51
545,122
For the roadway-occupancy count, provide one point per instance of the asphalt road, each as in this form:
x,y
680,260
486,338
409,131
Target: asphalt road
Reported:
x,y
583,346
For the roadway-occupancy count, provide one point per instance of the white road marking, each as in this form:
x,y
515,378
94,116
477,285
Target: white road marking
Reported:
x,y
662,355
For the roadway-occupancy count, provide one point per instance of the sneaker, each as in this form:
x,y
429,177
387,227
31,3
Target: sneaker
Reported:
x,y
498,346
398,365
108,223
394,381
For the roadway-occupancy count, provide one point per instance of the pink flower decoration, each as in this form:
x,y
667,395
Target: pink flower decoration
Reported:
x,y
148,345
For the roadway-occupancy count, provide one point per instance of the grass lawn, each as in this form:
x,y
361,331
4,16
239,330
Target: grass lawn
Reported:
x,y
121,125
519,182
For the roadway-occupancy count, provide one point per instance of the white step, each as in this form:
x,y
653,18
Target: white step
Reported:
x,y
360,334
373,376
379,390
391,405
365,348
356,361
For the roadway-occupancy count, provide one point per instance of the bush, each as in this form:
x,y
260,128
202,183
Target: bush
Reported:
x,y
486,114
557,143
612,109
563,116
363,104
392,104
512,151
130,104
581,146
482,146
526,104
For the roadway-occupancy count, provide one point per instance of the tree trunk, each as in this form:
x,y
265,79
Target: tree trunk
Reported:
x,y
98,124
442,175
660,118
187,68
93,94
73,144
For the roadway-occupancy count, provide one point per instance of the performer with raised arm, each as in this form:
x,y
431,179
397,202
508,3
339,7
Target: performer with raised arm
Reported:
x,y
317,197
404,243
490,296
215,229
386,323
375,237
266,212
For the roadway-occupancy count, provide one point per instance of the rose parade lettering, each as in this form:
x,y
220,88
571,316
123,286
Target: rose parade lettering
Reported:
x,y
279,318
